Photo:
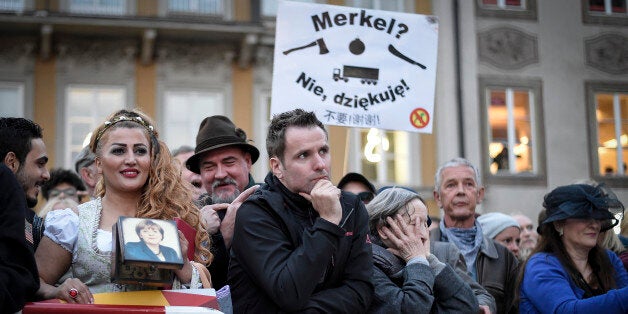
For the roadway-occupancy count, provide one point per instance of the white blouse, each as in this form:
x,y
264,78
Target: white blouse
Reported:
x,y
61,227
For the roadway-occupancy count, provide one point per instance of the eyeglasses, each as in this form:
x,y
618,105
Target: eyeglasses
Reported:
x,y
57,192
365,196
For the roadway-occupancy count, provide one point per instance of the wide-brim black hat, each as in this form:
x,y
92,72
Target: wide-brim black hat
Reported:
x,y
216,132
585,202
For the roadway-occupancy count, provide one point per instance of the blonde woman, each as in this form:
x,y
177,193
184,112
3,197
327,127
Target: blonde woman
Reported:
x,y
139,179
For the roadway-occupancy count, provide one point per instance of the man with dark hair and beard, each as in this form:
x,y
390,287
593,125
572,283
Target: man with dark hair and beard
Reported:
x,y
223,157
22,172
23,151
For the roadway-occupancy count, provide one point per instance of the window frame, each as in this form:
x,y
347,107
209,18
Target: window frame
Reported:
x,y
412,144
226,15
274,16
377,5
537,129
529,13
66,142
129,10
27,5
226,110
604,19
591,88
23,85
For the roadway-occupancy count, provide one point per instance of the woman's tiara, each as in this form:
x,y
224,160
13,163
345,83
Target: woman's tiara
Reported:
x,y
136,119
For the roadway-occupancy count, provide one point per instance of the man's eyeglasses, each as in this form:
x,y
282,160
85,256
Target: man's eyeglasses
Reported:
x,y
57,192
366,196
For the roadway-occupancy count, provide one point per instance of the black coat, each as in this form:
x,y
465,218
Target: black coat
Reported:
x,y
220,264
401,288
285,258
19,279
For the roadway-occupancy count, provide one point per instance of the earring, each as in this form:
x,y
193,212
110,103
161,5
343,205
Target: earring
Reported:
x,y
560,231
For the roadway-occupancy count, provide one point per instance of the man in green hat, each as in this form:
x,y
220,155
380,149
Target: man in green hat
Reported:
x,y
223,157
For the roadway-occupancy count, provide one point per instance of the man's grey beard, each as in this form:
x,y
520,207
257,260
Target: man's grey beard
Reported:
x,y
217,199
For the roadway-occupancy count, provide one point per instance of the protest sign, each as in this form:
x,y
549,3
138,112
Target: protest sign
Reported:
x,y
356,67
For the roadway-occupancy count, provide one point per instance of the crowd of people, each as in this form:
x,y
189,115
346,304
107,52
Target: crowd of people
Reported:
x,y
295,242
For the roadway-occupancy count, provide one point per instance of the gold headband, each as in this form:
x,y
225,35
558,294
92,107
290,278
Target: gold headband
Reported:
x,y
136,119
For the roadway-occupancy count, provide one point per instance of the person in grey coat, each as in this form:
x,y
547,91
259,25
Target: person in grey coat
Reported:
x,y
406,276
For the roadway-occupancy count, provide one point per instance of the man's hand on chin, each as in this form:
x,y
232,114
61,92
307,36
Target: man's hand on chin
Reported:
x,y
325,198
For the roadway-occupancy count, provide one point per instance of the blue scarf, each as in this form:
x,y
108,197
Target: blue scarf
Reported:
x,y
468,241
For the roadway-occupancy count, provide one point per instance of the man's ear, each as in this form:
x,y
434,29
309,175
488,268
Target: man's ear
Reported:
x,y
437,199
248,160
276,167
10,160
480,195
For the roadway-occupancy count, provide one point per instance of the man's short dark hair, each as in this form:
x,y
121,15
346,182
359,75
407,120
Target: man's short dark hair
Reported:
x,y
16,135
58,176
276,139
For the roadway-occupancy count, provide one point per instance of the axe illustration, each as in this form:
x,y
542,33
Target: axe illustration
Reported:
x,y
400,55
322,48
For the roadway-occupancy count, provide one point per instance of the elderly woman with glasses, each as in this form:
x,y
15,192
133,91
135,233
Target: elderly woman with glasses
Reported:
x,y
568,271
407,278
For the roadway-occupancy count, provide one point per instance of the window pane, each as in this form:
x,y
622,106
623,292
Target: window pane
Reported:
x,y
618,6
385,156
106,7
612,121
87,107
596,5
510,128
388,5
11,100
213,7
12,5
183,113
523,132
269,7
498,137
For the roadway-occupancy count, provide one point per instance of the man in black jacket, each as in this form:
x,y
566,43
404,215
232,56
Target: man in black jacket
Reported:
x,y
22,172
23,151
300,244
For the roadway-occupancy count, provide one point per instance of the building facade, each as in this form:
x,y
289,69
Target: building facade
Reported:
x,y
533,92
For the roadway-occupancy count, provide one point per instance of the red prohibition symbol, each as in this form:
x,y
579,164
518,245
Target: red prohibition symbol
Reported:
x,y
419,118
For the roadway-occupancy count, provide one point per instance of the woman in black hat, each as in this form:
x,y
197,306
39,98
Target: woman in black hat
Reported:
x,y
568,271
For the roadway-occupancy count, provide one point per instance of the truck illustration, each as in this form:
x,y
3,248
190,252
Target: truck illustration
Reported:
x,y
366,75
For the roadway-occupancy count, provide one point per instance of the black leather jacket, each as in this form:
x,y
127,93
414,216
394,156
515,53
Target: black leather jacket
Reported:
x,y
496,269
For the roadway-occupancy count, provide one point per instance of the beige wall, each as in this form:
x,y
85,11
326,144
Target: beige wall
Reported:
x,y
242,82
146,88
45,107
147,8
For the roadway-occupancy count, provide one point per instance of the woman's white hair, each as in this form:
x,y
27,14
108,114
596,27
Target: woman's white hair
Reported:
x,y
387,204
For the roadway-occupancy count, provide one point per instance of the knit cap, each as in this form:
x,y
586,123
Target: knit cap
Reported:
x,y
494,223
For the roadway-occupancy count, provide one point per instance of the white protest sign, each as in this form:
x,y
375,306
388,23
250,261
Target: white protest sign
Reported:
x,y
356,67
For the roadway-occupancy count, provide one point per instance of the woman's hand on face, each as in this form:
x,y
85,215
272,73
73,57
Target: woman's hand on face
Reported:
x,y
407,240
82,295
